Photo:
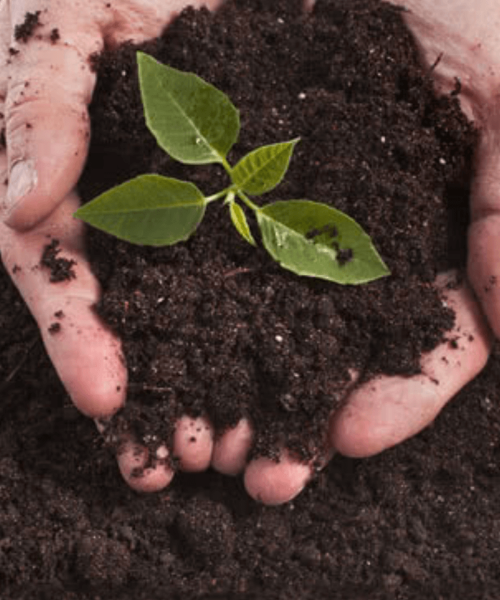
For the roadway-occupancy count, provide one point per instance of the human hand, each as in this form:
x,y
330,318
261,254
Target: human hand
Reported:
x,y
387,410
45,88
46,83
44,114
461,40
44,93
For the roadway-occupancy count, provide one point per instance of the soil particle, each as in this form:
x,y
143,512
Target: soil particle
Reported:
x,y
54,328
25,30
55,36
61,269
345,255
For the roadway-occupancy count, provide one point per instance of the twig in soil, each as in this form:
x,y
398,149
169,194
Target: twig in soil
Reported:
x,y
16,369
434,65
237,271
139,387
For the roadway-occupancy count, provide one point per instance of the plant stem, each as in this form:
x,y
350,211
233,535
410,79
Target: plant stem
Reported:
x,y
234,188
219,194
226,166
229,197
247,200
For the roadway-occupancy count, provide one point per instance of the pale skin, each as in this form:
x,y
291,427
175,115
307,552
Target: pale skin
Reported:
x,y
45,159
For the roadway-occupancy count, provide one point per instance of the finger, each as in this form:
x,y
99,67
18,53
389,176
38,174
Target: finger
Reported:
x,y
85,354
193,443
484,232
388,410
276,482
133,462
50,85
192,447
272,482
230,451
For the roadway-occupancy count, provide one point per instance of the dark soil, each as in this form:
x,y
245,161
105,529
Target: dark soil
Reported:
x,y
215,327
24,31
61,269
238,336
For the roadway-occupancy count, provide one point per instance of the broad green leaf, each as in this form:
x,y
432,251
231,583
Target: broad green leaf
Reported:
x,y
316,240
191,120
262,169
239,220
150,210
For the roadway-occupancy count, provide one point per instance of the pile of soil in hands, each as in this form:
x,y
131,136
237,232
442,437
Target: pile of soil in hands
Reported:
x,y
420,520
213,327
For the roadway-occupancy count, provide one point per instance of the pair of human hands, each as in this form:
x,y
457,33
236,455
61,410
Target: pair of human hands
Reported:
x,y
45,89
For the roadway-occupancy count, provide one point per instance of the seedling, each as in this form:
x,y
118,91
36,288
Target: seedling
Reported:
x,y
195,123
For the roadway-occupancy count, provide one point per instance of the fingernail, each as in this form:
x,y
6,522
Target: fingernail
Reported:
x,y
22,179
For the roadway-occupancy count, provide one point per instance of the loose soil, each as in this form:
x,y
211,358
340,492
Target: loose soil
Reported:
x,y
214,327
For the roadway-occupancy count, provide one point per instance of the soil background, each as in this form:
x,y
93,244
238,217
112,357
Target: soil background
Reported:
x,y
419,521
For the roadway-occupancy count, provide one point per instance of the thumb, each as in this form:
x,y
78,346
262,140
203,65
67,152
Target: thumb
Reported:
x,y
484,232
50,84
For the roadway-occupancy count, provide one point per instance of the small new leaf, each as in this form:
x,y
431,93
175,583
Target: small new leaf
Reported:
x,y
150,210
263,169
193,121
239,220
316,240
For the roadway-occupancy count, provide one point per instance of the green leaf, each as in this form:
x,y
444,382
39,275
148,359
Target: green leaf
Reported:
x,y
191,120
262,170
151,210
316,240
239,220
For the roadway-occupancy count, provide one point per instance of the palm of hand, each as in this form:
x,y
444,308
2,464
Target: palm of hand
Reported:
x,y
87,356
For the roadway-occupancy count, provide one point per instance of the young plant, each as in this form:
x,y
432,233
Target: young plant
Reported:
x,y
195,123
